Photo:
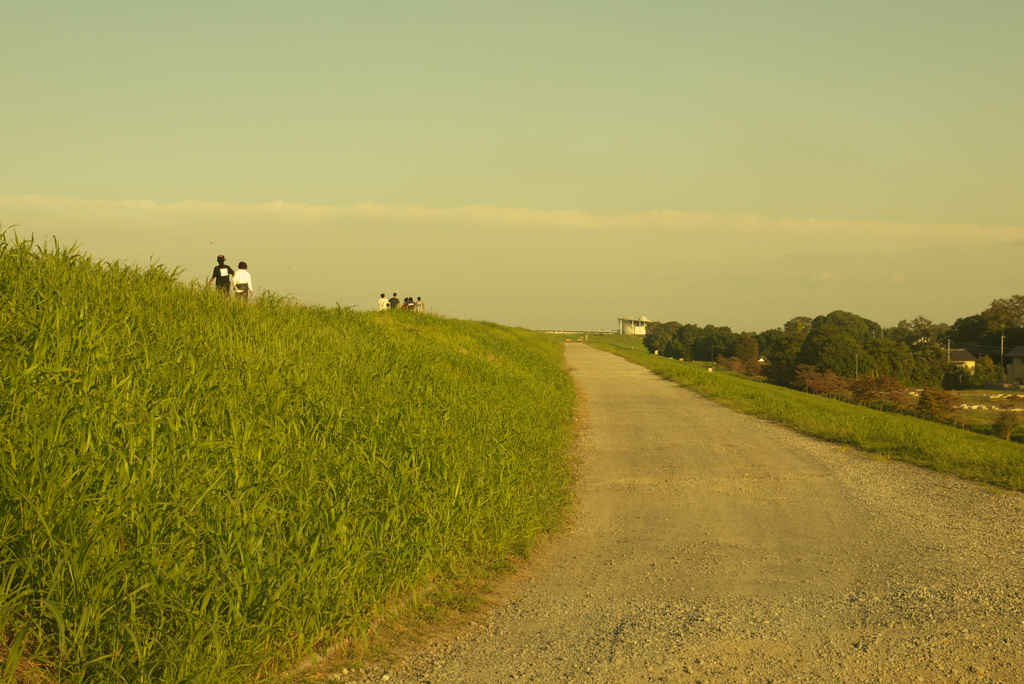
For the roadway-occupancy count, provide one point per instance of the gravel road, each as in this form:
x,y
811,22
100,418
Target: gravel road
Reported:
x,y
715,547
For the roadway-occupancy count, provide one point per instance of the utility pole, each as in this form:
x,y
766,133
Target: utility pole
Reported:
x,y
1002,364
947,351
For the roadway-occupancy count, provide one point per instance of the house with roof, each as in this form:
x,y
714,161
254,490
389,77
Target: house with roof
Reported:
x,y
1014,362
963,359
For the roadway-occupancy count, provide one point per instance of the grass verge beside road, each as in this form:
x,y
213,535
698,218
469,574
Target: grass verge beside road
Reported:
x,y
194,489
941,447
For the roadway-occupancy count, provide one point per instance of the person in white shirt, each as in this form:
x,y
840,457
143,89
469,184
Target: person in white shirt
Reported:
x,y
420,305
382,303
242,282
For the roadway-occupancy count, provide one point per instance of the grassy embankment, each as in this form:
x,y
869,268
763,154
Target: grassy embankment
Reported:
x,y
933,445
195,489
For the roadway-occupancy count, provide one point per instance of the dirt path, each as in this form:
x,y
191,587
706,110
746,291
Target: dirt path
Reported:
x,y
714,547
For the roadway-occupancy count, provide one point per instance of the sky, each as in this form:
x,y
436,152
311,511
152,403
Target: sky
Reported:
x,y
550,164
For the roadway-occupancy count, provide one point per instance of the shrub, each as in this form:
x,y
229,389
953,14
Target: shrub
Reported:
x,y
805,377
732,363
880,390
753,368
938,405
826,383
1005,424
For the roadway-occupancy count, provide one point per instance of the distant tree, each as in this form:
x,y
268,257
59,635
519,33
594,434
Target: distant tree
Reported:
x,y
970,329
865,390
930,365
892,358
798,324
712,342
837,350
858,327
1005,313
684,337
674,350
880,391
836,341
896,393
832,385
1005,424
987,371
766,336
825,383
1002,323
959,379
782,349
805,377
937,404
769,339
918,331
659,335
746,348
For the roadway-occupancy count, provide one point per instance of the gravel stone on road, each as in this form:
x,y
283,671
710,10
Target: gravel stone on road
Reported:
x,y
713,547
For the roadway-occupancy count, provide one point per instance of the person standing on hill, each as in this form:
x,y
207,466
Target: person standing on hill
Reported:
x,y
382,303
243,282
393,302
420,305
222,274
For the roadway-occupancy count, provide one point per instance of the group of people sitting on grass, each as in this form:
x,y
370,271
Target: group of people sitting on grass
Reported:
x,y
229,281
384,303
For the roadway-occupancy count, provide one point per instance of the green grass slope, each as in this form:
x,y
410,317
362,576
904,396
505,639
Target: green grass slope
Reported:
x,y
195,489
941,447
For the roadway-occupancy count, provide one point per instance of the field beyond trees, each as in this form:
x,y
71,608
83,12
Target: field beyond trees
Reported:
x,y
196,489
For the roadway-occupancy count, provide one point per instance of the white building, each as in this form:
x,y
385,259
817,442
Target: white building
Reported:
x,y
629,325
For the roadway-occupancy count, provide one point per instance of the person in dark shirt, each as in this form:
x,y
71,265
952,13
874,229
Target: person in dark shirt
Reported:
x,y
222,275
393,302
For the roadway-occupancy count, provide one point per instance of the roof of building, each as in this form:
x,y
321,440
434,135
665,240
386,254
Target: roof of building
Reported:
x,y
961,356
1016,352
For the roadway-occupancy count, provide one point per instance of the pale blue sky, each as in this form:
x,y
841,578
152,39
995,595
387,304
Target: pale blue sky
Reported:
x,y
904,113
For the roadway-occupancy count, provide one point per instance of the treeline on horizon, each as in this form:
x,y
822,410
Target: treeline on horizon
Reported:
x,y
845,345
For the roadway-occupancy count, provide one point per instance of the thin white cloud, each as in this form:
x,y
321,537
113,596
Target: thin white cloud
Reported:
x,y
11,206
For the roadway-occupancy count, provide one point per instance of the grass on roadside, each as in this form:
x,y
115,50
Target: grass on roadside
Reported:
x,y
933,445
424,617
623,342
196,489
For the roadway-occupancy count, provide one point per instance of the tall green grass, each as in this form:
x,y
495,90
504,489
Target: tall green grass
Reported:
x,y
198,490
933,445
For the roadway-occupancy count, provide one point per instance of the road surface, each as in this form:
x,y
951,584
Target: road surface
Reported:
x,y
714,547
